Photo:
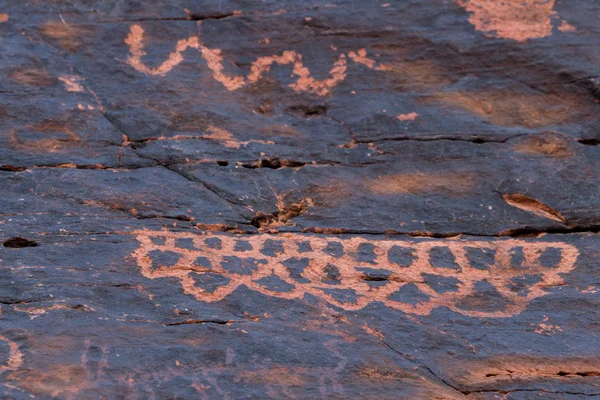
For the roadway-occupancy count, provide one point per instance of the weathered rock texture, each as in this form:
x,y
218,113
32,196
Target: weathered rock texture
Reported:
x,y
288,199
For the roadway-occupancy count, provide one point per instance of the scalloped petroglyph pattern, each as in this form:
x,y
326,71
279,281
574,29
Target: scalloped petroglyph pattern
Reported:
x,y
331,267
262,65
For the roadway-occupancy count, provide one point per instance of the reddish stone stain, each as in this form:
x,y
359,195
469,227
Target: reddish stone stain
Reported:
x,y
419,182
524,368
64,137
3,18
33,77
512,108
66,35
263,264
547,144
533,206
518,20
15,357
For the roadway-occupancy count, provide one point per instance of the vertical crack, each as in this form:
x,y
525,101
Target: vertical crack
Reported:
x,y
422,365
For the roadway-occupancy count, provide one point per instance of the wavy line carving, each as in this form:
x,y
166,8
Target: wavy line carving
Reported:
x,y
262,65
337,271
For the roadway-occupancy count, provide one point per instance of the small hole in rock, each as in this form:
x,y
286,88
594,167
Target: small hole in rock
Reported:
x,y
222,163
371,278
589,142
19,242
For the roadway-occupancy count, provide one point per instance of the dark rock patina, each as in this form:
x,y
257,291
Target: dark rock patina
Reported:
x,y
288,199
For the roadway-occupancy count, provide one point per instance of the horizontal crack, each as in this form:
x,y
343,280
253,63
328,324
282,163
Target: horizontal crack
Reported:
x,y
475,140
504,392
589,142
14,168
189,17
276,163
528,231
202,321
9,300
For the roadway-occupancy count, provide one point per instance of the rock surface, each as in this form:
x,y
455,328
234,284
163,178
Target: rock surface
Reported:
x,y
288,199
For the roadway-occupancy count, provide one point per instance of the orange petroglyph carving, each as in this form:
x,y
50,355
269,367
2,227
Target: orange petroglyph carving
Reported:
x,y
518,20
262,65
333,270
72,83
360,57
15,357
545,328
136,48
407,117
566,27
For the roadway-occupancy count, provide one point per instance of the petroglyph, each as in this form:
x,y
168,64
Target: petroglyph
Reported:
x,y
407,117
495,278
518,20
14,358
72,83
262,65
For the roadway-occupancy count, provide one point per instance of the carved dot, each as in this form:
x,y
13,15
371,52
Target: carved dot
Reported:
x,y
551,257
209,281
242,245
442,257
366,253
409,294
272,248
481,258
241,266
401,256
344,296
275,284
158,240
334,249
162,259
213,243
441,284
375,277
